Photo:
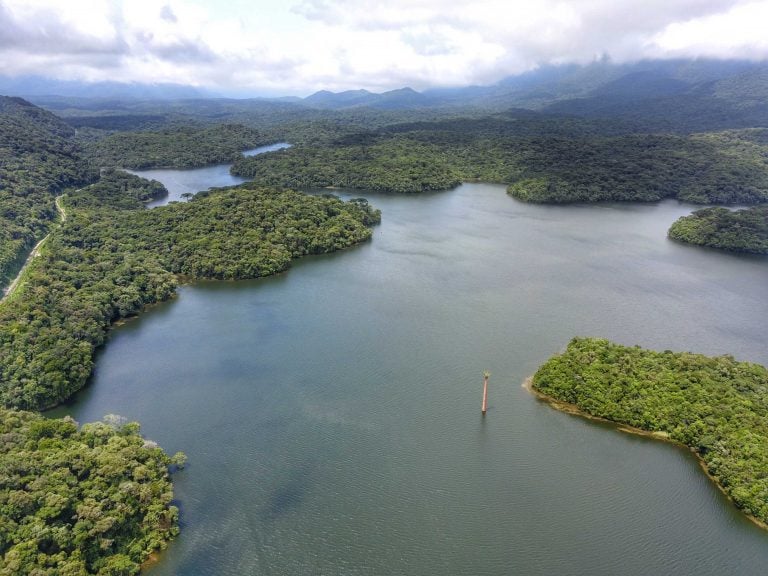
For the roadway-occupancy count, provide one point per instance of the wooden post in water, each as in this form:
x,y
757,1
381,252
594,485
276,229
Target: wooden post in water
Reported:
x,y
486,375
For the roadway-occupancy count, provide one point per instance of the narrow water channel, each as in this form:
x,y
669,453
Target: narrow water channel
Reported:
x,y
179,182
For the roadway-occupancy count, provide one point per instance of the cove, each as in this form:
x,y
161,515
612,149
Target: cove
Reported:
x,y
190,181
331,414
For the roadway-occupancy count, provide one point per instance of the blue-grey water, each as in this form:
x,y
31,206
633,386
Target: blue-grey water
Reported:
x,y
331,414
194,180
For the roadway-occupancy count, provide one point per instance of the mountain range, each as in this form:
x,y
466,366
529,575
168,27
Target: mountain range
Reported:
x,y
660,95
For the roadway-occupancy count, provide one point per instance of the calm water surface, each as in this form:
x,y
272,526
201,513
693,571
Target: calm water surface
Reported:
x,y
331,414
180,182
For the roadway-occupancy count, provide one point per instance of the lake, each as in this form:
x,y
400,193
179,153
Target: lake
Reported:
x,y
331,414
180,182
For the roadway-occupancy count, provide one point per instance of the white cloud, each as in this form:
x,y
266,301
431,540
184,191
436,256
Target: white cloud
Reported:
x,y
337,44
740,32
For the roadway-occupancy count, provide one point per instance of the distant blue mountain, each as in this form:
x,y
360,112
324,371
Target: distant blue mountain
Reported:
x,y
572,88
393,100
676,95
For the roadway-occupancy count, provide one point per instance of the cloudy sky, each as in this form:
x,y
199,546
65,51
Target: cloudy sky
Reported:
x,y
299,46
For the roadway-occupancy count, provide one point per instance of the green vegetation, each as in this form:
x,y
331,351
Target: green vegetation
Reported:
x,y
108,262
739,230
390,166
541,161
701,169
112,257
38,158
97,500
94,500
117,189
716,406
181,147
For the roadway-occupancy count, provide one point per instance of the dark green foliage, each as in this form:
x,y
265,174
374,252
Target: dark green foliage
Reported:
x,y
183,147
119,122
95,501
392,165
696,110
543,159
701,168
41,122
60,315
106,264
37,159
91,501
117,189
739,230
717,406
250,232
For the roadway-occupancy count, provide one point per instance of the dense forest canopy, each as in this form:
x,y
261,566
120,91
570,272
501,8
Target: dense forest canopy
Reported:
x,y
702,168
400,165
38,158
738,230
717,406
567,162
117,189
108,261
181,147
83,500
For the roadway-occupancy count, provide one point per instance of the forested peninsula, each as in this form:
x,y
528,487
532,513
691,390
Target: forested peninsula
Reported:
x,y
734,230
716,406
540,160
97,499
108,262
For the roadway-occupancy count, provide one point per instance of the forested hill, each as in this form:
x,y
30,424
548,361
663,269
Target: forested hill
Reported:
x,y
39,158
36,120
174,147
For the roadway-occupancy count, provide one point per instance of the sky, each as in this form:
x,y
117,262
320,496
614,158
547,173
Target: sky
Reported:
x,y
295,47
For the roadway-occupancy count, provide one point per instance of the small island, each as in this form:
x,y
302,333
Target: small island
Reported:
x,y
715,406
734,230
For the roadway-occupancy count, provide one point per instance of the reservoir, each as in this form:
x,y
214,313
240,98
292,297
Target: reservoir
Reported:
x,y
331,414
194,180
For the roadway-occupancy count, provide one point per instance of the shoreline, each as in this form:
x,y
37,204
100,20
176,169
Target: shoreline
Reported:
x,y
574,410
